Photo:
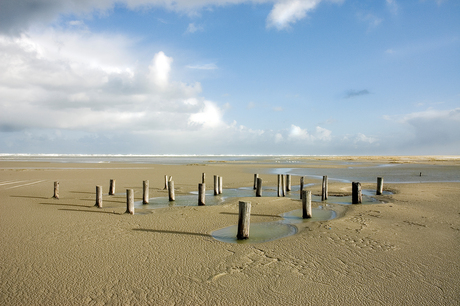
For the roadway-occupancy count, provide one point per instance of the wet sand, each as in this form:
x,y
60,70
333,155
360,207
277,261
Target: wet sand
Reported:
x,y
68,252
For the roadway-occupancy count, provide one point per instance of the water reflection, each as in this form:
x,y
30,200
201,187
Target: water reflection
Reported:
x,y
392,173
258,232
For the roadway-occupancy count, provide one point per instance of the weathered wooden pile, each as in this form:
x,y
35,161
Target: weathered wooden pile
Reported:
x,y
284,185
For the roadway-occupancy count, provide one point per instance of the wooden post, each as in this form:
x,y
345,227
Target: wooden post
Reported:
x,y
288,182
256,176
166,182
172,196
56,190
98,196
201,194
301,186
279,185
216,185
112,187
259,187
283,185
145,194
356,195
306,204
129,201
379,186
324,191
203,178
220,185
244,220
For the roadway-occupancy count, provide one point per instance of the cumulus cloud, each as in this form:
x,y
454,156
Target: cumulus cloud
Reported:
x,y
160,68
209,116
361,138
323,134
298,133
320,134
432,127
46,83
285,13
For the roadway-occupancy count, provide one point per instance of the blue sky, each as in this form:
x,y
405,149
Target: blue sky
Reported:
x,y
327,77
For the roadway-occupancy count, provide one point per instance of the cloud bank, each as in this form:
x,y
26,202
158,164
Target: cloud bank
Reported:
x,y
435,127
18,15
62,91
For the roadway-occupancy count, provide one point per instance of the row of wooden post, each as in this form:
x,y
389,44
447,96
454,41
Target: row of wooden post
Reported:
x,y
282,187
244,207
169,185
129,197
285,185
305,195
356,188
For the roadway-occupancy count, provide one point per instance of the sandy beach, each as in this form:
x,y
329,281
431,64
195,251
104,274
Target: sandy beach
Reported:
x,y
402,250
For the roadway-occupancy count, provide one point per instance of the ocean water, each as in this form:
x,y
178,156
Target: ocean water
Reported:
x,y
144,159
347,171
391,173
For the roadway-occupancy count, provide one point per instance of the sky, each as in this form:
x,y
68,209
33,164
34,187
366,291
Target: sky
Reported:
x,y
281,77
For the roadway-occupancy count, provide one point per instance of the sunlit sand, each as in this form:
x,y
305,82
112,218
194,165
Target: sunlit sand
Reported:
x,y
397,248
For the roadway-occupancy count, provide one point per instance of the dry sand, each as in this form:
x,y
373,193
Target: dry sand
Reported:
x,y
68,252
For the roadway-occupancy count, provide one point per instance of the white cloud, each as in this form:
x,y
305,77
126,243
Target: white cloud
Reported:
x,y
297,133
210,66
46,84
192,28
323,134
435,126
363,138
160,68
209,116
431,131
76,23
284,13
320,134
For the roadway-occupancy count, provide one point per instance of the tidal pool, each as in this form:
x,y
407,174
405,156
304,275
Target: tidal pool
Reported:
x,y
368,198
211,200
258,232
181,200
268,231
330,209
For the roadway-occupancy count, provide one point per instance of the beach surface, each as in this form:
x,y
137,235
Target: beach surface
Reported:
x,y
404,249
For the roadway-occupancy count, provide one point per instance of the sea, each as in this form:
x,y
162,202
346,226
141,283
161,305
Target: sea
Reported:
x,y
348,171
